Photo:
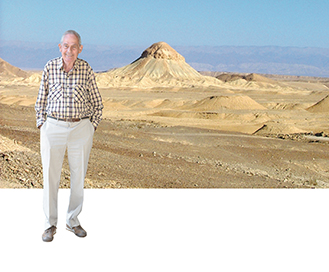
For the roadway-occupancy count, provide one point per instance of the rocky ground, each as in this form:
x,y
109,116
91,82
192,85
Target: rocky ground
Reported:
x,y
131,153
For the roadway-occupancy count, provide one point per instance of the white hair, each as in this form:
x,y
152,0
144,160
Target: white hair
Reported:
x,y
71,32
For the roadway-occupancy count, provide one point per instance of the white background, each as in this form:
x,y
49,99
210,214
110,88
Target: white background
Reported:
x,y
170,230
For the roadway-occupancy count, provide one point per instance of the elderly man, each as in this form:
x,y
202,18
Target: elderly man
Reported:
x,y
68,111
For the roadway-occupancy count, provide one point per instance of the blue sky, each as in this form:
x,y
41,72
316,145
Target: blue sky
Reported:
x,y
177,22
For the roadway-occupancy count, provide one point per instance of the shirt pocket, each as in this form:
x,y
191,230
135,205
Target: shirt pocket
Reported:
x,y
55,93
79,94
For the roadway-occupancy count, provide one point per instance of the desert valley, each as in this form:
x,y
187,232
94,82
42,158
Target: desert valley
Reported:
x,y
167,125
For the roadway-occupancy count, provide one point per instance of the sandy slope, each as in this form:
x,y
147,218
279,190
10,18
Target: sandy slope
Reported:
x,y
8,70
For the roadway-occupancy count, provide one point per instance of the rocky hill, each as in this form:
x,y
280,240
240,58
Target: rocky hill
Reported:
x,y
158,65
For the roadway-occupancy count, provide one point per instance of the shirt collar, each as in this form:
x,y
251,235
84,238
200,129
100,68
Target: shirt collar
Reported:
x,y
60,64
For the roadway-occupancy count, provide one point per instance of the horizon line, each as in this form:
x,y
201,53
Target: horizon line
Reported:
x,y
127,45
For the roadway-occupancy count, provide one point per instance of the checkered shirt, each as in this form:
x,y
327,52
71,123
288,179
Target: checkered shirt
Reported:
x,y
68,95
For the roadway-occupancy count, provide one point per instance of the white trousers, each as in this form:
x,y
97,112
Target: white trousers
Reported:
x,y
55,138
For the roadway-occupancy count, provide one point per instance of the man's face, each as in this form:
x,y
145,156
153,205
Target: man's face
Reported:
x,y
70,49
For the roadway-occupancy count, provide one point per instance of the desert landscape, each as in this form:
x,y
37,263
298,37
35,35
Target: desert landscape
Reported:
x,y
167,125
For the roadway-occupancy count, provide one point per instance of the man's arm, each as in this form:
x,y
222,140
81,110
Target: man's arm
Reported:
x,y
41,103
95,100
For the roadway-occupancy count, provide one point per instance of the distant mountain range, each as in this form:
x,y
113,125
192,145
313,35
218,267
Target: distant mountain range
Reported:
x,y
241,59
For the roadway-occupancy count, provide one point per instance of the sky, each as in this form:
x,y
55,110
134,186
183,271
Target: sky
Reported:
x,y
298,23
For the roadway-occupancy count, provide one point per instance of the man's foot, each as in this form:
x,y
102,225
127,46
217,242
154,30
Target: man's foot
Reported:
x,y
78,231
49,233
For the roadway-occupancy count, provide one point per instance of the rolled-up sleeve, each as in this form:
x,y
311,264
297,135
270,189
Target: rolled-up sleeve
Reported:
x,y
41,103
